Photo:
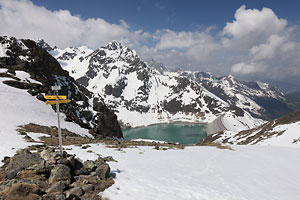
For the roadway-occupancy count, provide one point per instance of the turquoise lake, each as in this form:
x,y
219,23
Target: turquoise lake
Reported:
x,y
173,132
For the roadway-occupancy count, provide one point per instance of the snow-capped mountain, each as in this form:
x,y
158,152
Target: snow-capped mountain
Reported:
x,y
143,93
25,65
259,99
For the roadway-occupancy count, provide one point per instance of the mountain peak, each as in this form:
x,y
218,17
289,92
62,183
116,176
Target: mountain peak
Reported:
x,y
114,45
157,65
44,45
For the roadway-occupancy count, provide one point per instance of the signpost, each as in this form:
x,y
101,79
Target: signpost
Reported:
x,y
54,97
57,100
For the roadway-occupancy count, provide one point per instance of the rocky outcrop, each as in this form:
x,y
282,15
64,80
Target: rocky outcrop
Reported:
x,y
46,175
44,72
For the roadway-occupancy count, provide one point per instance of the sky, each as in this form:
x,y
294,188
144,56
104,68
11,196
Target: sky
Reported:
x,y
250,39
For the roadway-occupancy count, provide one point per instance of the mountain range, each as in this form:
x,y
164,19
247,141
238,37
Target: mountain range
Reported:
x,y
113,82
143,93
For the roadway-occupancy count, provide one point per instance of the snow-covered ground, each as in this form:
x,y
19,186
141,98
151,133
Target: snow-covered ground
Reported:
x,y
235,124
290,136
203,173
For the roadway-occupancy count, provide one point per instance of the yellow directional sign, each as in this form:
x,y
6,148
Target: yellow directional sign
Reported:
x,y
59,101
55,97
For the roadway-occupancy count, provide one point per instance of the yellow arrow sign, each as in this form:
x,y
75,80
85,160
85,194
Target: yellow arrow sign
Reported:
x,y
55,97
59,101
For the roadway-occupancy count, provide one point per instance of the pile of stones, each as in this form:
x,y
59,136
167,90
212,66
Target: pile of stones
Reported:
x,y
46,175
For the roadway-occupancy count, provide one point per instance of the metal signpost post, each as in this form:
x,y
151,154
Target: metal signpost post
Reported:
x,y
58,99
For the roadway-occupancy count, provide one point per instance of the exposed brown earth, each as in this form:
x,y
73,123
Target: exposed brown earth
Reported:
x,y
70,138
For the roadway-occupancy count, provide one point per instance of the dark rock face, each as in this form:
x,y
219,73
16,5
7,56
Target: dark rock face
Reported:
x,y
45,177
44,68
273,103
274,107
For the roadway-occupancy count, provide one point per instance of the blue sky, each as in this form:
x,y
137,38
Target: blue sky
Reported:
x,y
177,15
250,39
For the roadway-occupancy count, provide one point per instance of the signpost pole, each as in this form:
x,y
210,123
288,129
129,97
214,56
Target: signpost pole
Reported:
x,y
56,88
59,129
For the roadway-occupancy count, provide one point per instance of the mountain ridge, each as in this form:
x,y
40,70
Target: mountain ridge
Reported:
x,y
148,90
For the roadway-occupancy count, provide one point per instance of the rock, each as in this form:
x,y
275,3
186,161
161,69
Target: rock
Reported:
x,y
10,174
86,146
92,196
42,168
88,167
87,188
89,164
60,173
60,197
22,191
109,159
75,163
63,161
44,180
103,171
57,187
77,191
20,161
49,155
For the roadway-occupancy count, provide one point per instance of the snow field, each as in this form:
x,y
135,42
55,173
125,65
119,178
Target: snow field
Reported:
x,y
287,139
18,108
201,173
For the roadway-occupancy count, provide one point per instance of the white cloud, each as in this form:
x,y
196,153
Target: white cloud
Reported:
x,y
245,69
171,39
256,42
21,18
267,43
251,27
253,21
268,49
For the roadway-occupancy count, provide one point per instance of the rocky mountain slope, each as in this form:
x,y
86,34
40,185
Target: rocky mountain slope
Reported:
x,y
27,66
151,94
283,131
143,93
259,99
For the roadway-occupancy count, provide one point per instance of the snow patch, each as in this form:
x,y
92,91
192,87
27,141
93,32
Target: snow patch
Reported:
x,y
3,49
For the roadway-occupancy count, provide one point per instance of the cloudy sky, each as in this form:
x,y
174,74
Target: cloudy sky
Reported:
x,y
250,39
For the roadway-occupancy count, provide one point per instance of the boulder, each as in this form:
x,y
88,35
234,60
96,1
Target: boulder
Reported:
x,y
74,192
22,191
60,197
49,155
21,161
87,188
103,171
57,187
60,173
